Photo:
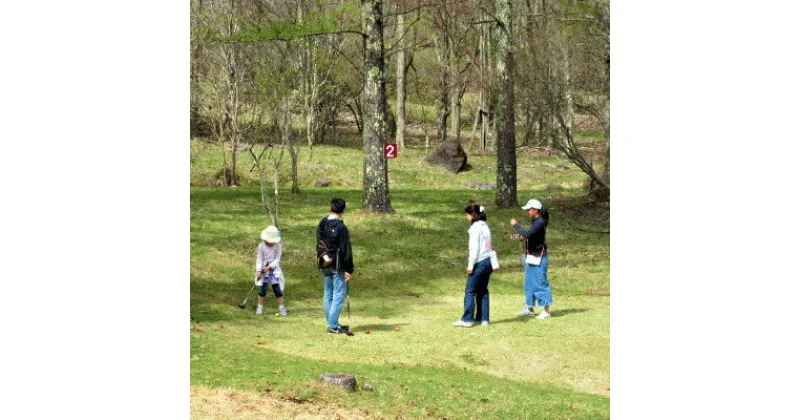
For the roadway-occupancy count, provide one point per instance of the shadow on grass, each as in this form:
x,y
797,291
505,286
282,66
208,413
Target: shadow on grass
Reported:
x,y
567,312
554,314
376,327
517,319
418,253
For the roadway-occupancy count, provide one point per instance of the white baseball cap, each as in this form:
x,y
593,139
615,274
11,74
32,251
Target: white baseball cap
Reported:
x,y
271,235
532,204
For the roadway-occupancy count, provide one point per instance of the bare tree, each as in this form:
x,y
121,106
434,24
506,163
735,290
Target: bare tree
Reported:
x,y
586,34
452,42
483,109
224,80
316,62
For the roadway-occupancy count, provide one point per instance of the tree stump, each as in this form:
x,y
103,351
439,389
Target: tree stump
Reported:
x,y
343,380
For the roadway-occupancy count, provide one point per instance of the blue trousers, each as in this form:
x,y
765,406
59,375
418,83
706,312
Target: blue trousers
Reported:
x,y
476,293
333,298
536,286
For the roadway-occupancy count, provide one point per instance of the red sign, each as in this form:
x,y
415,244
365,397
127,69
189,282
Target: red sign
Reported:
x,y
390,150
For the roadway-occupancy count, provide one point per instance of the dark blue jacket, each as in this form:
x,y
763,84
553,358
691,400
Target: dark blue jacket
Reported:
x,y
535,235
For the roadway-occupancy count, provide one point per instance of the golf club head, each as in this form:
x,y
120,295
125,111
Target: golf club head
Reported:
x,y
350,333
242,305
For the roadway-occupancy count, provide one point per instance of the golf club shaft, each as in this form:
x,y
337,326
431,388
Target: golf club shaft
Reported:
x,y
248,294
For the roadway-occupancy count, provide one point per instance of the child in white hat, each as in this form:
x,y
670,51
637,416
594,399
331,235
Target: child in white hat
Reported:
x,y
268,268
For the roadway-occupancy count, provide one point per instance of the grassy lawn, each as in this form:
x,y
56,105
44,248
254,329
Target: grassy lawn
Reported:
x,y
407,288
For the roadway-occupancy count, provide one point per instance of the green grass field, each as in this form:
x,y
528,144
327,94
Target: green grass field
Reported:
x,y
410,274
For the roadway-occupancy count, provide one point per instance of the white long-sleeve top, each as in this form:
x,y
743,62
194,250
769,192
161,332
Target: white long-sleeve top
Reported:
x,y
269,255
479,239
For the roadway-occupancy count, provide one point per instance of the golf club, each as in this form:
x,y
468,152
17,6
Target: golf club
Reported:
x,y
349,329
243,304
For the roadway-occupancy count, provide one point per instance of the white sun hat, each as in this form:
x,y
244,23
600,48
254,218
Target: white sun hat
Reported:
x,y
532,204
271,234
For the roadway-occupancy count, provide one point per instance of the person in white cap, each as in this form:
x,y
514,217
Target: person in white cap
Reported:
x,y
536,286
268,269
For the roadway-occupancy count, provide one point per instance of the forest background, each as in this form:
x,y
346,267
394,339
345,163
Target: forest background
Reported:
x,y
687,82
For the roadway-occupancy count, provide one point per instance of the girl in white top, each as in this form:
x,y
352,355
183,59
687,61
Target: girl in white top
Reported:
x,y
268,268
479,269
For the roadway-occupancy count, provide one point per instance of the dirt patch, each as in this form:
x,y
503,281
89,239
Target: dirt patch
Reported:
x,y
208,403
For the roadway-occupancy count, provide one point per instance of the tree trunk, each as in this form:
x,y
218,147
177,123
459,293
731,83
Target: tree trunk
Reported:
x,y
607,135
232,112
455,111
606,110
376,175
481,86
477,116
456,93
443,55
194,89
401,80
504,117
275,184
443,113
304,58
286,138
564,78
546,121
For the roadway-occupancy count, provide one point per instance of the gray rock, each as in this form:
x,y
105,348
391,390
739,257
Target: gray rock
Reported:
x,y
450,155
367,387
324,182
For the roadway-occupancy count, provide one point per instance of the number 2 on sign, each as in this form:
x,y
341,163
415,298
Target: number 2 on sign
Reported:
x,y
390,150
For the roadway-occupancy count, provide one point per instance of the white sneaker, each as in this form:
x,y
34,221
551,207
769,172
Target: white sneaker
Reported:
x,y
282,312
525,312
543,315
461,323
484,323
259,310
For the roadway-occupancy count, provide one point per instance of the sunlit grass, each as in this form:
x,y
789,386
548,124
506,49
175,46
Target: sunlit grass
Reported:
x,y
410,273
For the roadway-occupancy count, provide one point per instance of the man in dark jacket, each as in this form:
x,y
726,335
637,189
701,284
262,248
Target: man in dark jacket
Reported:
x,y
335,259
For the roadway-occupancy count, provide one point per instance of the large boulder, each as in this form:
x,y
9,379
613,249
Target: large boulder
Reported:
x,y
450,155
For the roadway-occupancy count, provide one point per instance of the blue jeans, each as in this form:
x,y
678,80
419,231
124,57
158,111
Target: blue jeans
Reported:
x,y
333,298
536,285
477,290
